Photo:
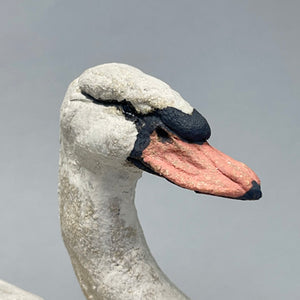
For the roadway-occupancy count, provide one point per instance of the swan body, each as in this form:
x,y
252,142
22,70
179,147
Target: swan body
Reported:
x,y
11,292
116,122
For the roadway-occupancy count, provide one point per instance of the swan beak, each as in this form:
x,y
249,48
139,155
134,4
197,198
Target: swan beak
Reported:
x,y
200,167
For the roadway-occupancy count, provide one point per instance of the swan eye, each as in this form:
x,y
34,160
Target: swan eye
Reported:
x,y
128,110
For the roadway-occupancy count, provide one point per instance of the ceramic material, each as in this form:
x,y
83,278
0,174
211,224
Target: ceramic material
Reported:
x,y
115,122
11,292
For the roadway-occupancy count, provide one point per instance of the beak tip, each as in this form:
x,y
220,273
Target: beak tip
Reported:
x,y
253,194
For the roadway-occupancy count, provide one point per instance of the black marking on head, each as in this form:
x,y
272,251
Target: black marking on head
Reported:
x,y
163,135
146,125
124,106
193,128
128,110
141,165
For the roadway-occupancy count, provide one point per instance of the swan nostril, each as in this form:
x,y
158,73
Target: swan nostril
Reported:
x,y
163,135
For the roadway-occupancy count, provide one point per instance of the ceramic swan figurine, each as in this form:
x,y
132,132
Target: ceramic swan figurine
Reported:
x,y
116,122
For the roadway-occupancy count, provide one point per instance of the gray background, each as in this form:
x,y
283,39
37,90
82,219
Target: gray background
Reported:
x,y
237,62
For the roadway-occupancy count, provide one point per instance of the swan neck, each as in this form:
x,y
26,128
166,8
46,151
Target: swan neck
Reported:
x,y
103,235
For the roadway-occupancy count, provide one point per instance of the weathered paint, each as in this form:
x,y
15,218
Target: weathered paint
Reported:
x,y
114,81
99,222
200,168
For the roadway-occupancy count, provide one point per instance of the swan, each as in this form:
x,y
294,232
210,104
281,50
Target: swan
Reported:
x,y
115,123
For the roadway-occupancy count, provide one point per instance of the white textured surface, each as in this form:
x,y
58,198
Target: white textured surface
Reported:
x,y
11,292
99,222
119,81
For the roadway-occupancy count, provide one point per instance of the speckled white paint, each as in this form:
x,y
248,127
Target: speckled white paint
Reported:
x,y
119,81
11,292
97,184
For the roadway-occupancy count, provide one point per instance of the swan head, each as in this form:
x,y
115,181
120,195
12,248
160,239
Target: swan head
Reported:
x,y
117,116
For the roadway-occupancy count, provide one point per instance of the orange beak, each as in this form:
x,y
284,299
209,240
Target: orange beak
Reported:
x,y
200,167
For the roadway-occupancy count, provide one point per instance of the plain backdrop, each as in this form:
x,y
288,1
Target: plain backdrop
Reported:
x,y
237,62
